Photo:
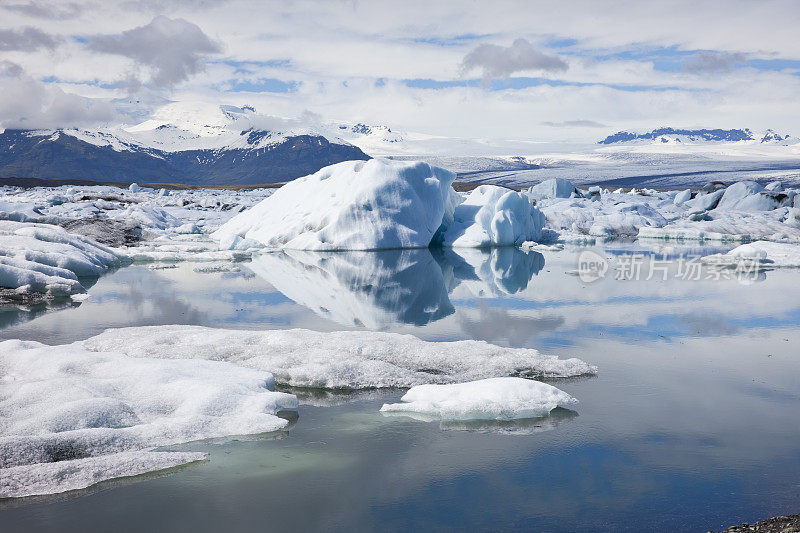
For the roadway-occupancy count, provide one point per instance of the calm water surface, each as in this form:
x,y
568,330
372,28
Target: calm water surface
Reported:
x,y
693,422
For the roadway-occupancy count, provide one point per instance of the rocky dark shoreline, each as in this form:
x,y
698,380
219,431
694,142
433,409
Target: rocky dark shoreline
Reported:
x,y
778,524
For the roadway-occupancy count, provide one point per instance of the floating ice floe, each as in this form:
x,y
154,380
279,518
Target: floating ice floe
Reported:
x,y
505,398
553,188
355,205
492,216
19,211
71,417
602,219
338,360
761,253
183,247
47,260
532,246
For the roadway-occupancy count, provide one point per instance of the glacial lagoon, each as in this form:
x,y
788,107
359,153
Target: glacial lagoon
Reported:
x,y
692,422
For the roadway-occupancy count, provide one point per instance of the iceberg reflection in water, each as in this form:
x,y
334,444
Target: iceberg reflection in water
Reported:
x,y
379,289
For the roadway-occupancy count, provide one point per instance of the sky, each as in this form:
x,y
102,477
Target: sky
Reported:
x,y
541,71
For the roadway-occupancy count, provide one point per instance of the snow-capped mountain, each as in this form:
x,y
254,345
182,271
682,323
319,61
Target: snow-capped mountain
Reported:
x,y
700,136
179,143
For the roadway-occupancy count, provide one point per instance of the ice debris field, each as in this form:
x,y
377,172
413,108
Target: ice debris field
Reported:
x,y
77,414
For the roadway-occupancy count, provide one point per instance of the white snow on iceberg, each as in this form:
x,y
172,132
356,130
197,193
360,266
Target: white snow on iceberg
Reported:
x,y
355,205
70,417
338,360
505,398
46,259
493,216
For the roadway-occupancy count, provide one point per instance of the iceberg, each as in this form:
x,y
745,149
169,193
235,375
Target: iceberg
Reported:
x,y
47,260
748,196
506,398
355,205
338,360
552,188
683,197
71,417
493,216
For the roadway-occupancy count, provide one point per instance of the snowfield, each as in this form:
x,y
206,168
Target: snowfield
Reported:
x,y
488,399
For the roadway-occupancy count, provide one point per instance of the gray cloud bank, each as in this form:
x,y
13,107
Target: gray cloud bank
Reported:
x,y
503,61
713,62
26,40
574,124
174,49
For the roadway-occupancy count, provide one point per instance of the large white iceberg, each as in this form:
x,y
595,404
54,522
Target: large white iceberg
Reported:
x,y
46,259
71,417
506,398
355,205
492,216
338,360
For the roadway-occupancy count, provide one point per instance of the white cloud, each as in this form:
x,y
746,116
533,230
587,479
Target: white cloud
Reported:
x,y
339,50
29,104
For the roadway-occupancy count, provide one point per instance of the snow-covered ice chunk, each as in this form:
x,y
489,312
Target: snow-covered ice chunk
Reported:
x,y
70,417
355,205
19,211
682,197
46,259
747,196
493,215
620,217
149,215
338,360
704,202
505,398
552,188
763,253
